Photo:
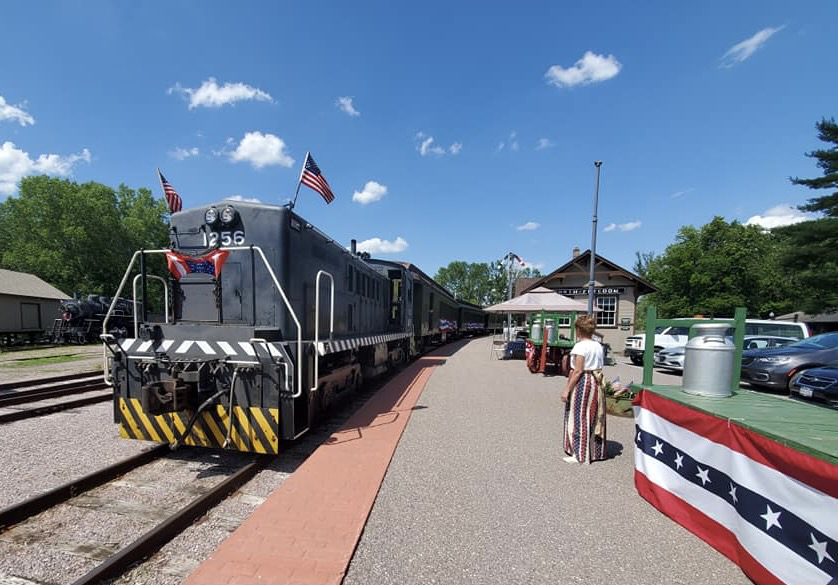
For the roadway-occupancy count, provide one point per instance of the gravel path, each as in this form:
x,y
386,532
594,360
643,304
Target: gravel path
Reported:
x,y
477,492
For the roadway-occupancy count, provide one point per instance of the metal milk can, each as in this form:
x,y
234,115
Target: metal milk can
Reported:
x,y
708,361
550,327
536,330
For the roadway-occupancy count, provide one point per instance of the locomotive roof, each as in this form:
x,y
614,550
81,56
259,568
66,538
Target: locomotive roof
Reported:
x,y
22,284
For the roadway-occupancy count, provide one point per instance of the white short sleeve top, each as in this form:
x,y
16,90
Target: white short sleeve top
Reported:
x,y
591,351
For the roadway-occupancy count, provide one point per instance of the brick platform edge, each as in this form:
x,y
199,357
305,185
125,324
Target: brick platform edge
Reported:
x,y
307,530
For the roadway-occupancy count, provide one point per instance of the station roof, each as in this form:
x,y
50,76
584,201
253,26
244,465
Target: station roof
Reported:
x,y
643,285
22,284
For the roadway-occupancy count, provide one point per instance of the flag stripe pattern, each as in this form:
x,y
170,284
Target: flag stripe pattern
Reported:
x,y
173,200
764,520
180,265
312,177
518,258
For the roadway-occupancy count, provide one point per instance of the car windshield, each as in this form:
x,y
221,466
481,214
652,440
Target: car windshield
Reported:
x,y
823,341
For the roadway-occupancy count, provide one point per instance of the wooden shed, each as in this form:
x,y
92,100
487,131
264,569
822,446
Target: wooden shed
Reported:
x,y
28,305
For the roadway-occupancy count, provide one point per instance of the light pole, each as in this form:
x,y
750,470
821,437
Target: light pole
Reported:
x,y
597,164
508,259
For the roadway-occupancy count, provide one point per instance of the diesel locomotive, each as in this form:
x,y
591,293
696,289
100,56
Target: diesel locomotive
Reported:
x,y
268,321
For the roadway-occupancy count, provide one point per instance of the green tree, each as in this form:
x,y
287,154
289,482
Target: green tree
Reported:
x,y
480,282
811,251
713,269
78,237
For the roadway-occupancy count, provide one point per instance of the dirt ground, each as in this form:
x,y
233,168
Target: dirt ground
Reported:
x,y
26,364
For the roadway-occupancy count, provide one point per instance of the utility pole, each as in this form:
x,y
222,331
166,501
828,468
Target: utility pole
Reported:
x,y
591,281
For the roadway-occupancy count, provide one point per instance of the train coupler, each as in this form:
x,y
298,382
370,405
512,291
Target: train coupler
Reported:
x,y
165,396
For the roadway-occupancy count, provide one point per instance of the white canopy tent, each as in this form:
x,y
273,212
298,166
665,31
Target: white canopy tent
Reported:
x,y
539,299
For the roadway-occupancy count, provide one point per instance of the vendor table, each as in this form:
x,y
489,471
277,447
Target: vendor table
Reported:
x,y
754,475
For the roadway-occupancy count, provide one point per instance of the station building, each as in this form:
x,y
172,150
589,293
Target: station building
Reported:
x,y
616,291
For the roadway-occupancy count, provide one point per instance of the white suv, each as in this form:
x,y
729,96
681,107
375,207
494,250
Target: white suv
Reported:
x,y
666,337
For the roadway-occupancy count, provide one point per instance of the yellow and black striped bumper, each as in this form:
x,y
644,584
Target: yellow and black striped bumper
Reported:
x,y
254,430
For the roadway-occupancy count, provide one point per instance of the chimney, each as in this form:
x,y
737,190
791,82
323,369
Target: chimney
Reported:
x,y
353,247
575,251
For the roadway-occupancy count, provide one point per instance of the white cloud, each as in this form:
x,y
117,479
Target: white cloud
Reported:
x,y
455,148
426,146
779,215
589,69
544,143
184,153
623,227
16,164
345,104
372,192
741,51
211,95
511,143
379,246
261,150
14,113
678,194
243,198
529,226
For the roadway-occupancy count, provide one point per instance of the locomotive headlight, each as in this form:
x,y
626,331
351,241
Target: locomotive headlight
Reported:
x,y
228,215
211,215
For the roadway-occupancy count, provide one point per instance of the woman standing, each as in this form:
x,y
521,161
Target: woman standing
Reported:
x,y
584,397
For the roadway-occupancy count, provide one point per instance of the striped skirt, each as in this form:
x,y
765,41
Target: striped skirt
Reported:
x,y
584,419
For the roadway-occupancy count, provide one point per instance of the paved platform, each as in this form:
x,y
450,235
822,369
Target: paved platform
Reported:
x,y
476,492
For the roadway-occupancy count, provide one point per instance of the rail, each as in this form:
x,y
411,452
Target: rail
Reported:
x,y
317,322
272,274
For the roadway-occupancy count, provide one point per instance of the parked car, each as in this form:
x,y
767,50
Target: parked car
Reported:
x,y
673,358
817,384
667,337
774,368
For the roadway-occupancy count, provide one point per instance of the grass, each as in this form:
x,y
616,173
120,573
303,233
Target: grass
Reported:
x,y
42,361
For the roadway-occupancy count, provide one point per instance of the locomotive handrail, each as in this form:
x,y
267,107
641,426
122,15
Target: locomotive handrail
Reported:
x,y
317,322
165,299
229,249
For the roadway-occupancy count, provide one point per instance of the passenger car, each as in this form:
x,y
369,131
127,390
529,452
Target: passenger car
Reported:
x,y
672,358
817,384
773,368
667,337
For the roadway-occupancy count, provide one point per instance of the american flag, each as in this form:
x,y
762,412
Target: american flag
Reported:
x,y
172,198
518,258
312,177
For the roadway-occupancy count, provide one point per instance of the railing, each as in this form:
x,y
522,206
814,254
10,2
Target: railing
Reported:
x,y
165,299
317,323
107,338
652,323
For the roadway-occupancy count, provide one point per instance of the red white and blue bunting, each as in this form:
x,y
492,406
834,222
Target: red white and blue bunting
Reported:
x,y
769,508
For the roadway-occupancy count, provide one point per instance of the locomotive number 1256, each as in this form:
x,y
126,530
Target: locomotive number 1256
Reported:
x,y
235,238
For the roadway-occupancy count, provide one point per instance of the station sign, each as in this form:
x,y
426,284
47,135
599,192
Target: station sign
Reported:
x,y
599,290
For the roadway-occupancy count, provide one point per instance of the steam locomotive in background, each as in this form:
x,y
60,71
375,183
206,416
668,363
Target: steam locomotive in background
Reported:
x,y
271,321
81,320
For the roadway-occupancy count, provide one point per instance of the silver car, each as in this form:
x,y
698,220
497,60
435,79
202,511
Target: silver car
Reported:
x,y
673,358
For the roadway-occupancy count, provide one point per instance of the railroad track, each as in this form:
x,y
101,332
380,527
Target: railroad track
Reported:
x,y
30,391
151,541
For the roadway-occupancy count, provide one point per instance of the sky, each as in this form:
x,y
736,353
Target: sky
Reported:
x,y
446,130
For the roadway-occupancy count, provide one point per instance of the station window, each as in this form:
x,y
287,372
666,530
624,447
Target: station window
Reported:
x,y
564,320
349,277
607,315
